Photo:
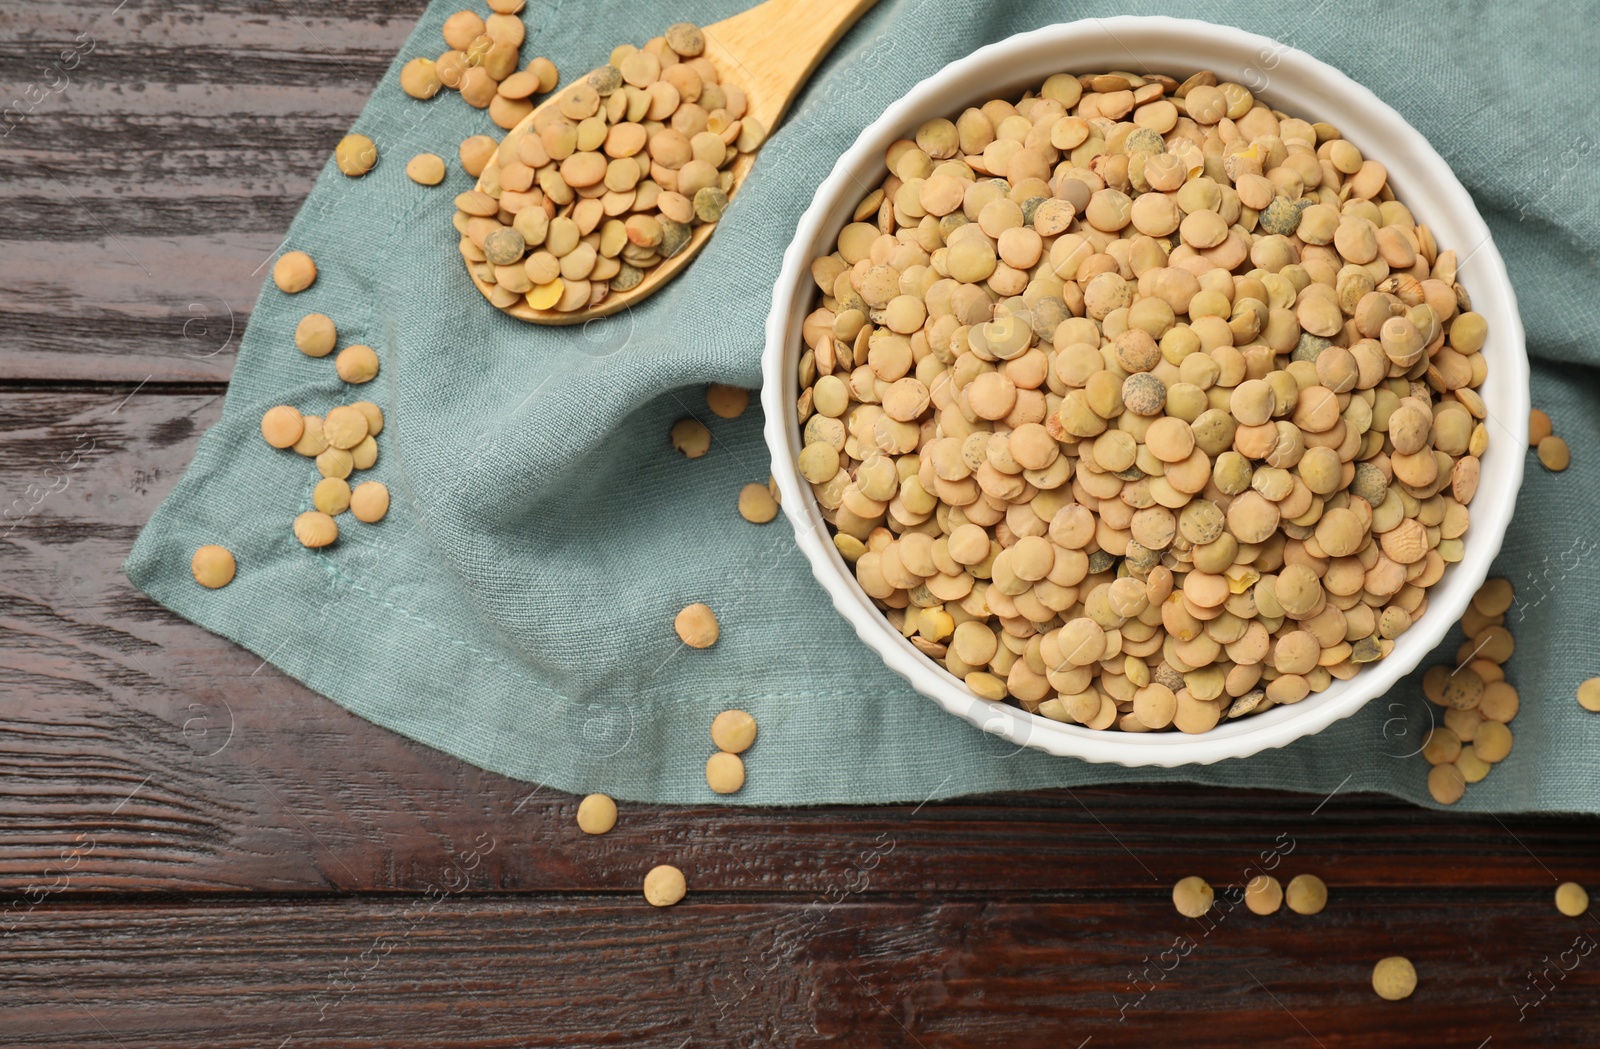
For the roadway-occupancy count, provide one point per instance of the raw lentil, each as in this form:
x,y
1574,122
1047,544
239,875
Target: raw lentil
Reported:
x,y
597,814
213,566
1193,357
374,416
1539,427
331,496
1306,894
1446,783
756,504
1263,894
1554,454
315,335
691,437
283,426
697,626
311,442
315,528
1589,694
475,154
344,427
1572,899
365,454
727,402
1493,742
1192,896
724,772
356,364
355,155
664,886
369,501
1394,978
420,79
294,272
733,731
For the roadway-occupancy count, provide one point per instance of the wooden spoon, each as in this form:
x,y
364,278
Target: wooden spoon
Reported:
x,y
769,51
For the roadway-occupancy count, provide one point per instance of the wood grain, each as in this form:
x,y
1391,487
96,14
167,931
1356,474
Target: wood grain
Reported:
x,y
438,969
144,197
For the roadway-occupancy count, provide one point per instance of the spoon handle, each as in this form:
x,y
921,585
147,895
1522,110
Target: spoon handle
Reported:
x,y
772,48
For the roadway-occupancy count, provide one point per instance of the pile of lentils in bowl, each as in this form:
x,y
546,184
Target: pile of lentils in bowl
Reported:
x,y
1140,404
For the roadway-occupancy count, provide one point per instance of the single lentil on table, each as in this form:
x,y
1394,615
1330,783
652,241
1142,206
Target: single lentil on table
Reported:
x,y
1572,899
1192,896
1142,405
1394,978
597,814
664,885
1306,894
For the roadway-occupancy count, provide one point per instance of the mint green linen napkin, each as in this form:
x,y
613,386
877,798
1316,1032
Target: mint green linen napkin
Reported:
x,y
515,607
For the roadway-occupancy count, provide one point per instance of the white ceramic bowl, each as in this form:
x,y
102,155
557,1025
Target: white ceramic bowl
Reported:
x,y
1289,80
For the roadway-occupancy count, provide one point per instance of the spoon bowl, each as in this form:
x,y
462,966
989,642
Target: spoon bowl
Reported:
x,y
769,51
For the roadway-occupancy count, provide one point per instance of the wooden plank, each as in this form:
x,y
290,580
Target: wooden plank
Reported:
x,y
161,169
248,781
437,969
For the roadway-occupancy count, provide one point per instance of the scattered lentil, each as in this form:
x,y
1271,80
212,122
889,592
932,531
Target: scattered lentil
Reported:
x,y
315,528
1494,597
355,155
733,731
1554,454
664,886
331,496
482,57
1493,742
475,154
1192,896
1539,427
294,272
213,566
697,626
315,335
597,814
344,427
1263,894
727,402
756,504
1394,978
283,426
356,364
1572,899
1589,694
1306,894
1446,783
426,169
724,772
369,501
420,79
691,437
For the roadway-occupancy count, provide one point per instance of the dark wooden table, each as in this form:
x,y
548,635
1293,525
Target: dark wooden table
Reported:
x,y
197,851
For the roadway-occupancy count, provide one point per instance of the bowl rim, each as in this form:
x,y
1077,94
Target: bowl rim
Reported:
x,y
792,295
